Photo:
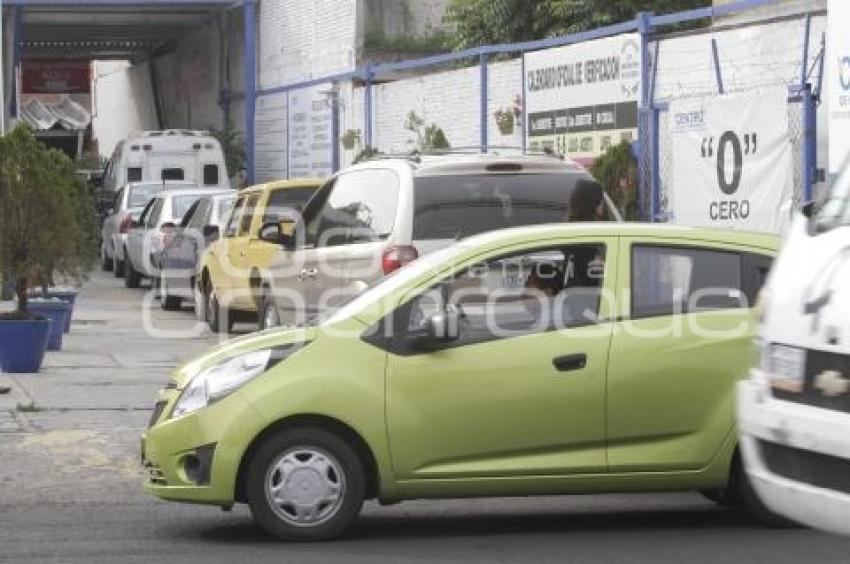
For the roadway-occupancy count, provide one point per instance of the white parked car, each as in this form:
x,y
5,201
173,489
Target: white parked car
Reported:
x,y
170,155
794,411
126,208
154,229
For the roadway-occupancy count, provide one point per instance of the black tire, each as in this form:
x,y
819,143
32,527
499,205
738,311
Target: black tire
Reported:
x,y
266,304
119,268
351,482
218,317
107,264
132,279
166,301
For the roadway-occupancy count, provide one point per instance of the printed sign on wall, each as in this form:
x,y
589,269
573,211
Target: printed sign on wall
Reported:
x,y
732,164
270,138
583,98
310,132
55,77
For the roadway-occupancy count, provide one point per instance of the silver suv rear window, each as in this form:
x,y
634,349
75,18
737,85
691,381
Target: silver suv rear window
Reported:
x,y
459,206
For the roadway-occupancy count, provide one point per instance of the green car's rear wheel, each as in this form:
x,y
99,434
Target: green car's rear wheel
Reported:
x,y
305,484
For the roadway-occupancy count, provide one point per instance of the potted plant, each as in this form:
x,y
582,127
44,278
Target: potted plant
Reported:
x,y
504,121
350,139
44,232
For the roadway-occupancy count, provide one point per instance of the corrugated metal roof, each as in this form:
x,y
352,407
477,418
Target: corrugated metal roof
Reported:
x,y
66,113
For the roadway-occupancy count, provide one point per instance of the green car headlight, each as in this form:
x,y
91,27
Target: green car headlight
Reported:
x,y
223,378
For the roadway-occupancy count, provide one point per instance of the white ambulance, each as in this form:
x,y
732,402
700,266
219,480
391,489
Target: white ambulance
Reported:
x,y
794,411
167,156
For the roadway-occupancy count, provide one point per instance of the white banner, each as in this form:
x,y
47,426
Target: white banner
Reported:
x,y
838,82
310,132
583,98
732,162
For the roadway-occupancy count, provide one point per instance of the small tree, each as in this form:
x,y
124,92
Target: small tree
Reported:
x,y
47,225
616,170
233,146
429,137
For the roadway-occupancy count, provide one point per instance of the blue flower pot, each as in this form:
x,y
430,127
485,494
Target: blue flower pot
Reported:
x,y
69,296
57,311
22,344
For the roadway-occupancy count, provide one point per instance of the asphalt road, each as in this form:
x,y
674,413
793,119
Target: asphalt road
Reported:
x,y
69,482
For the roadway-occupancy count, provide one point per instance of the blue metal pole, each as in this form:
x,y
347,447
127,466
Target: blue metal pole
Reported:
x,y
249,14
716,58
524,104
809,142
646,133
484,90
367,106
17,45
335,127
655,209
804,66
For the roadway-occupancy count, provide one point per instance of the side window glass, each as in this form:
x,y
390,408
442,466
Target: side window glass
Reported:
x,y
134,174
210,175
361,206
671,280
199,218
532,292
143,218
233,222
754,274
156,211
189,215
248,214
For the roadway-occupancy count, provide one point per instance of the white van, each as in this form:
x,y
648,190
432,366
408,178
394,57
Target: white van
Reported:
x,y
794,411
167,156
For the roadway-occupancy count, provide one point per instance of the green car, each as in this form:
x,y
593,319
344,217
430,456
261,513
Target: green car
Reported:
x,y
559,359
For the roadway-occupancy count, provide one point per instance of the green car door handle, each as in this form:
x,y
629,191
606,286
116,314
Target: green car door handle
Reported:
x,y
570,362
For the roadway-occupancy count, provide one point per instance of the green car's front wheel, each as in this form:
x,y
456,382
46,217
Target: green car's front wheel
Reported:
x,y
305,484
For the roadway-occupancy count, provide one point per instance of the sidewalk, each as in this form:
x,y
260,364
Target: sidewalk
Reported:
x,y
78,421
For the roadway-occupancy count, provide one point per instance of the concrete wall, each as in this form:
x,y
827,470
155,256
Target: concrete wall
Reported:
x,y
122,102
405,17
781,8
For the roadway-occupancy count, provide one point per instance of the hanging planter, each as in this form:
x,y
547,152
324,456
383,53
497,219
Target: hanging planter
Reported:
x,y
350,139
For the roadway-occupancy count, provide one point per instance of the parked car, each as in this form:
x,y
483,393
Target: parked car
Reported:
x,y
154,229
232,266
181,257
375,217
167,156
794,411
557,359
126,207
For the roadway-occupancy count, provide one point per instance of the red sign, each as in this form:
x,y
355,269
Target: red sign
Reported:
x,y
56,77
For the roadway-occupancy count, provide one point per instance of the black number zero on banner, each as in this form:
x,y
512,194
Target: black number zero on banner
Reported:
x,y
729,140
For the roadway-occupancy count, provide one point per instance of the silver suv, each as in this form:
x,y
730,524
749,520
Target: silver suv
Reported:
x,y
373,218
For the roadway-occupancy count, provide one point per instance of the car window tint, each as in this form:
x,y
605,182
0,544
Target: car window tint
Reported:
x,y
201,216
134,174
360,206
225,207
457,206
189,215
141,193
248,214
542,290
172,174
669,280
233,222
210,175
155,213
181,204
143,217
286,203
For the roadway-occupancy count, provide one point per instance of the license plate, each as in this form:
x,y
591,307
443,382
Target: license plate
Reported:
x,y
786,368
